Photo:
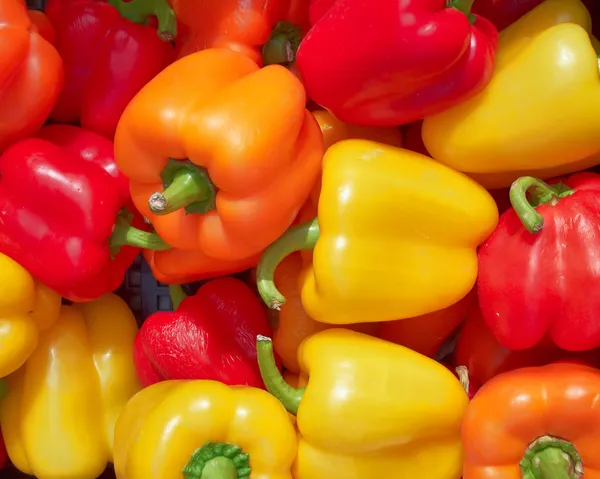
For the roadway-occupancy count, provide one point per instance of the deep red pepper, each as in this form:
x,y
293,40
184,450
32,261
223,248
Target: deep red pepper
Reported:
x,y
65,209
211,335
109,54
503,13
385,62
538,272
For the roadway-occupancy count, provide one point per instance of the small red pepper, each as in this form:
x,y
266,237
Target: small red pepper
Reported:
x,y
211,335
109,53
65,211
538,271
386,62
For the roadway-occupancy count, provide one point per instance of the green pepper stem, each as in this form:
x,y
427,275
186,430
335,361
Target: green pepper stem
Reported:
x,y
177,295
282,45
188,185
218,460
465,7
139,11
551,458
126,235
288,396
3,388
297,238
531,219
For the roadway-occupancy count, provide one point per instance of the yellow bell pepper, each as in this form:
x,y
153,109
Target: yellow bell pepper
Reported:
x,y
59,415
202,430
539,114
396,237
371,409
27,308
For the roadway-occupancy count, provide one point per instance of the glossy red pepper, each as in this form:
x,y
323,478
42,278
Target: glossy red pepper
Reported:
x,y
109,54
386,62
211,335
65,210
538,271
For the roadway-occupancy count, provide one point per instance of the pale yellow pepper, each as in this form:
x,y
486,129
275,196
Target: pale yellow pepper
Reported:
x,y
27,307
539,114
59,415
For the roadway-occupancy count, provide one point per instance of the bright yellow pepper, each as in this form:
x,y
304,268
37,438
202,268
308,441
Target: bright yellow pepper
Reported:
x,y
204,430
539,114
371,409
396,237
27,308
59,415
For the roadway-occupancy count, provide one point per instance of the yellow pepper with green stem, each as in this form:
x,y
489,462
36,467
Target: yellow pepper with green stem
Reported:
x,y
370,409
204,430
396,237
539,114
27,308
59,415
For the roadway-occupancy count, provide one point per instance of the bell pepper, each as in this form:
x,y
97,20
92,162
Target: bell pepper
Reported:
x,y
202,429
64,214
59,415
485,358
425,334
28,308
244,26
109,60
294,325
42,25
209,336
370,409
31,74
208,174
3,453
494,144
369,63
534,423
547,284
440,218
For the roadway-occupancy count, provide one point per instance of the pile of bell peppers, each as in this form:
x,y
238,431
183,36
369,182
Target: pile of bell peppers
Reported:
x,y
378,223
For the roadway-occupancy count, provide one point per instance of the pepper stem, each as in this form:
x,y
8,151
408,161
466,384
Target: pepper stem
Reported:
x,y
282,45
139,11
297,238
276,385
186,186
531,219
465,7
551,458
126,235
218,460
177,295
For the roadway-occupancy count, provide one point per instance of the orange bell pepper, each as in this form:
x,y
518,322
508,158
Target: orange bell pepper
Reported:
x,y
241,25
425,334
535,423
220,154
31,74
294,324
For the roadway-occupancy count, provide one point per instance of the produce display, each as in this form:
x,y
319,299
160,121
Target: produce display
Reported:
x,y
377,223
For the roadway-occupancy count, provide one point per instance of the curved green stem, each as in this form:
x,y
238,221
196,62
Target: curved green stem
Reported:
x,y
3,388
465,7
276,385
531,219
297,238
218,460
126,235
177,295
282,45
186,186
551,458
139,11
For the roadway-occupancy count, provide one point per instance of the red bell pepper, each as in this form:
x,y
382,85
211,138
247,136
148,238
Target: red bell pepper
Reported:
x,y
31,74
538,272
65,210
211,335
3,452
503,13
109,54
386,62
